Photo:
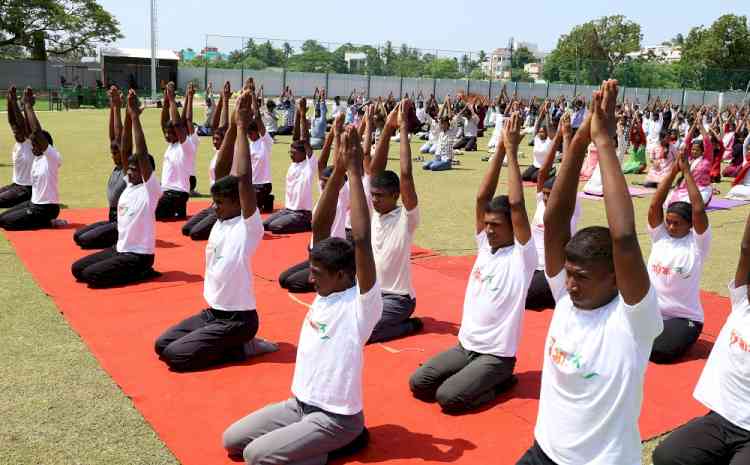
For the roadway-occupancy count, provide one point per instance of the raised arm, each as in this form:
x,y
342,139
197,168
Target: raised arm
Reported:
x,y
367,141
244,169
115,116
380,159
489,184
408,189
549,159
656,209
174,116
325,152
15,118
187,112
225,157
34,127
325,212
518,216
742,274
700,218
126,144
634,282
164,112
141,150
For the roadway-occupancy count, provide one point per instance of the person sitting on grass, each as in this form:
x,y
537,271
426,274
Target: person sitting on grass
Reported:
x,y
661,156
103,234
288,113
444,140
324,417
701,158
19,190
225,331
471,120
296,216
481,365
722,436
192,137
681,242
269,116
319,121
636,161
175,176
606,317
132,258
542,142
44,206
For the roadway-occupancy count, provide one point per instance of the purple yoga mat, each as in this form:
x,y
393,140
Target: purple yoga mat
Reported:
x,y
717,203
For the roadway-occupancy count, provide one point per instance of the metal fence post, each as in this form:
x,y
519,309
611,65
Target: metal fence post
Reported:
x,y
401,88
547,94
682,103
283,81
326,84
368,85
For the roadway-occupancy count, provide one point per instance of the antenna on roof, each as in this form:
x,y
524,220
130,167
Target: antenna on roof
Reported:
x,y
154,38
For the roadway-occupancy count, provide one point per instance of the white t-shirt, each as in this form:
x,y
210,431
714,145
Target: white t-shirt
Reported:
x,y
471,126
592,379
260,154
537,226
495,298
136,217
338,228
23,158
44,177
328,370
541,148
392,236
178,161
724,385
675,267
212,169
299,182
195,140
228,283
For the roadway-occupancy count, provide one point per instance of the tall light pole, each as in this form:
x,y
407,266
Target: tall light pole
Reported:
x,y
154,36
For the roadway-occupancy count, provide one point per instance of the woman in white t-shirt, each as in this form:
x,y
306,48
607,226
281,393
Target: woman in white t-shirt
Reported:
x,y
324,416
178,161
19,190
723,435
43,207
542,143
605,320
132,258
681,241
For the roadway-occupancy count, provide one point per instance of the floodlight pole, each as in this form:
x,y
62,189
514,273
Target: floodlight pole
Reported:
x,y
153,49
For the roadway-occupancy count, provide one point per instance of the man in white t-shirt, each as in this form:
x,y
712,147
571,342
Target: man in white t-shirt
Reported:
x,y
296,216
393,229
470,120
19,190
723,435
192,137
606,318
481,365
132,258
178,161
225,331
324,415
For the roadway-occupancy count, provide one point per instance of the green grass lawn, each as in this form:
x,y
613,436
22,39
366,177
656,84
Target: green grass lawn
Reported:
x,y
59,407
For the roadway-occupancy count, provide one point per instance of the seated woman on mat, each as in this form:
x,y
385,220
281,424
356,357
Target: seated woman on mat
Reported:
x,y
542,143
722,436
132,258
741,185
103,234
606,317
661,157
701,158
681,242
43,207
226,330
737,155
324,417
473,372
19,190
539,295
175,175
594,185
636,161
296,215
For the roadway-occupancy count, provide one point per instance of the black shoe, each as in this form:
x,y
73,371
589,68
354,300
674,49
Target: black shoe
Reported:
x,y
359,443
416,325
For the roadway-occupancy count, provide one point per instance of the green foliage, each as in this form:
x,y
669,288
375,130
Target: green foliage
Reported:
x,y
647,73
443,68
70,28
520,75
521,57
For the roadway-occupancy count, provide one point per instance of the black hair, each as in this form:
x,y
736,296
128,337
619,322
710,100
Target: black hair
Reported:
x,y
48,136
334,254
681,209
549,183
387,180
591,244
227,187
133,160
500,205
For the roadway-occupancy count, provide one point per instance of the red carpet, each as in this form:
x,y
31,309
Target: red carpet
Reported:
x,y
190,411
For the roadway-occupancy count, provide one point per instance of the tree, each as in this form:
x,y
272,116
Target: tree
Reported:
x,y
442,68
314,58
56,27
520,75
482,56
521,57
640,72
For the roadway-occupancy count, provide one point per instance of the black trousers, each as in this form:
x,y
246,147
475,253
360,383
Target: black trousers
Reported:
x,y
535,456
297,278
539,296
678,337
264,197
111,268
208,338
27,216
285,131
98,235
172,205
530,174
469,144
13,194
460,379
193,183
199,226
287,221
707,440
394,323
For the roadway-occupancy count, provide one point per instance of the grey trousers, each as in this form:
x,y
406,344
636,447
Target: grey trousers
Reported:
x,y
460,379
394,323
291,432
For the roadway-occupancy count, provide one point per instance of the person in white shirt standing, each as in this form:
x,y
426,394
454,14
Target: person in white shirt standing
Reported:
x,y
19,190
43,207
296,216
132,258
178,160
225,331
723,435
681,242
481,365
393,229
324,416
606,317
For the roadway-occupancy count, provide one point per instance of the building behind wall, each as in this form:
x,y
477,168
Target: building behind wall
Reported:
x,y
131,67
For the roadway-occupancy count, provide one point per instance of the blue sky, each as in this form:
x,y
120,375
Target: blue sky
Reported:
x,y
453,25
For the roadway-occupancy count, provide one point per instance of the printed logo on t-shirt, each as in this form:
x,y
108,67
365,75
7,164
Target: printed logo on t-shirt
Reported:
x,y
124,210
735,338
319,328
566,359
659,269
487,278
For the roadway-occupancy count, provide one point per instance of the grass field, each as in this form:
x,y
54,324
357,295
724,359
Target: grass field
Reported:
x,y
59,407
